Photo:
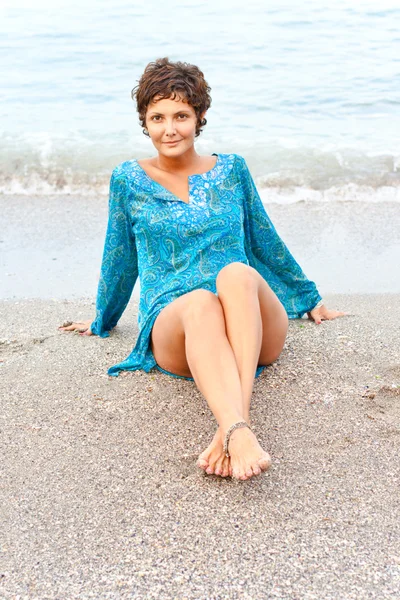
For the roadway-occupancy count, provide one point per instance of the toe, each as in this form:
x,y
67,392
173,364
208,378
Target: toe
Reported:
x,y
225,467
264,463
236,474
218,470
249,472
204,456
242,472
212,463
203,464
256,470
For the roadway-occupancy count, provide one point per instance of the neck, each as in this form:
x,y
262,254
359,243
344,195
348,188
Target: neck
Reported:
x,y
185,162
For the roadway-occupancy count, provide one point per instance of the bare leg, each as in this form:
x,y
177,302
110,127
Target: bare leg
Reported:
x,y
256,326
256,322
211,359
214,369
199,319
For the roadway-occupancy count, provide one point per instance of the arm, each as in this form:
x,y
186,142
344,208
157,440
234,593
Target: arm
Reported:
x,y
268,254
119,269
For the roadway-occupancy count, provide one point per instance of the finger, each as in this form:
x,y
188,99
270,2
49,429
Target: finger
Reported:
x,y
73,327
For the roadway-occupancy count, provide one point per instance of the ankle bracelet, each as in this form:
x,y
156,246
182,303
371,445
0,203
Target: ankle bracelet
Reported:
x,y
229,433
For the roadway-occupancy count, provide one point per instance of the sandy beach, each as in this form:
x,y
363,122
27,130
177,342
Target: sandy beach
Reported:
x,y
101,496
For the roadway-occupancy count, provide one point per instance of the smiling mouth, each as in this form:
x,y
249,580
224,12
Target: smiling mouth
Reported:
x,y
174,142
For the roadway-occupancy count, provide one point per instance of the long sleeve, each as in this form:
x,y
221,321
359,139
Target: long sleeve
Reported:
x,y
268,254
119,269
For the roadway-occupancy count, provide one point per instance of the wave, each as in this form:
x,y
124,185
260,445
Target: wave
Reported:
x,y
41,164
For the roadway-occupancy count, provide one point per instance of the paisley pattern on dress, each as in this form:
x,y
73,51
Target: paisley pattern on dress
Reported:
x,y
176,247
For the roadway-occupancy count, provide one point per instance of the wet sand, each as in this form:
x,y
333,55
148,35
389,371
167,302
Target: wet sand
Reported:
x,y
51,247
101,496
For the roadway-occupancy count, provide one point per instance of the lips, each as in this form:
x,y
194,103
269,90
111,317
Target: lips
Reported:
x,y
172,143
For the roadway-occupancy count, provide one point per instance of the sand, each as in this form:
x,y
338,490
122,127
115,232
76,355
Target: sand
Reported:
x,y
101,496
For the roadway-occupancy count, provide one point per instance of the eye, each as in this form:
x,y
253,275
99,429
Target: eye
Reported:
x,y
182,116
155,117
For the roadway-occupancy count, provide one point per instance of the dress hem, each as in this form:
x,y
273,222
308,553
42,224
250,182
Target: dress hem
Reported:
x,y
114,371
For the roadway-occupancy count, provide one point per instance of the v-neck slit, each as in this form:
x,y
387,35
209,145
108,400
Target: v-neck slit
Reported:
x,y
166,190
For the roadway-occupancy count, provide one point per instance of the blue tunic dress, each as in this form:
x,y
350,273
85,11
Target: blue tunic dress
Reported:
x,y
175,247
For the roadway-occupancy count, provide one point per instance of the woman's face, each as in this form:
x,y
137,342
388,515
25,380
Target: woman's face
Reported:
x,y
172,126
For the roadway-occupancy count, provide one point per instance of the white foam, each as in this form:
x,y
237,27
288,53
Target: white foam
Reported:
x,y
45,164
347,193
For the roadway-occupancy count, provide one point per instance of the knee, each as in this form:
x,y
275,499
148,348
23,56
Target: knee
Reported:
x,y
201,306
237,275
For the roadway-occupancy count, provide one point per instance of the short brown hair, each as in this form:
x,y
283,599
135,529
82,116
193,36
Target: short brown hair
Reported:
x,y
166,79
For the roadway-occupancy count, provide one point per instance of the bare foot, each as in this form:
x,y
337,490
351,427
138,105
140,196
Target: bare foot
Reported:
x,y
246,455
213,459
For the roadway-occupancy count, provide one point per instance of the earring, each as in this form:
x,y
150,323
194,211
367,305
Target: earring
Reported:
x,y
145,132
203,122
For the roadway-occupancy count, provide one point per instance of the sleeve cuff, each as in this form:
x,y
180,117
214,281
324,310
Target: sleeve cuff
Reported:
x,y
97,330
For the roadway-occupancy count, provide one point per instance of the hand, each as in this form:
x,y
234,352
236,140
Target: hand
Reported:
x,y
322,313
83,327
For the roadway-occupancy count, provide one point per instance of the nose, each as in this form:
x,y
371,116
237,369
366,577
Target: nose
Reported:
x,y
170,127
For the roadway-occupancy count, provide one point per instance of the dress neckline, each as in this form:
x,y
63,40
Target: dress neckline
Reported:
x,y
205,174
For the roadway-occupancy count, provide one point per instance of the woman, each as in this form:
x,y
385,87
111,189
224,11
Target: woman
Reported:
x,y
217,282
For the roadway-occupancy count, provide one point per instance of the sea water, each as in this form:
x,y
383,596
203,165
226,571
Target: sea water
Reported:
x,y
307,92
